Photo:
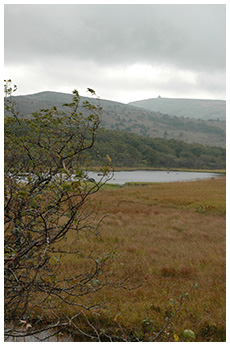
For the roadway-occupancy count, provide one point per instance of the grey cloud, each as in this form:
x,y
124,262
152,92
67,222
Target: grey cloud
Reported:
x,y
216,82
188,36
125,52
116,84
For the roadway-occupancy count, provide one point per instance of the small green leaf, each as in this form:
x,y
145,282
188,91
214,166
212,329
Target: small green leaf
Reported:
x,y
96,282
33,204
189,334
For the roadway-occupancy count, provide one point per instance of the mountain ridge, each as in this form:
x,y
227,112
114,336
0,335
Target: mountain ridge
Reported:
x,y
130,118
204,109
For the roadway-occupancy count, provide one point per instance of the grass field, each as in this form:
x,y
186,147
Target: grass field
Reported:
x,y
169,240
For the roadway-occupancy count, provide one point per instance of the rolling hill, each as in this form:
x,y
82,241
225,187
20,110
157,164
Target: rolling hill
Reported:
x,y
192,108
140,121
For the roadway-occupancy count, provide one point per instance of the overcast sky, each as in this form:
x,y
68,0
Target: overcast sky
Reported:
x,y
124,52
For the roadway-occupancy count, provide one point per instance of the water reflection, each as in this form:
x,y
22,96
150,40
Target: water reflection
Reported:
x,y
123,177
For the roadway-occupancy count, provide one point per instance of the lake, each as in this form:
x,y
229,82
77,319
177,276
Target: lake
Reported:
x,y
139,176
123,177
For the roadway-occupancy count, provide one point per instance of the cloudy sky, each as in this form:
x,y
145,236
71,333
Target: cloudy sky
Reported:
x,y
125,52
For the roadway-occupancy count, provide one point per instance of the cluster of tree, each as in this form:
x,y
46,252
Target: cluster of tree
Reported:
x,y
187,124
127,149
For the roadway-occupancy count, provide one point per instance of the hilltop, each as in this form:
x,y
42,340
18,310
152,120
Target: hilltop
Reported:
x,y
140,121
192,108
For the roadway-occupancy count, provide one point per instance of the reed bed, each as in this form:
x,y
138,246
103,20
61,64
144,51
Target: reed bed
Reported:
x,y
169,240
166,244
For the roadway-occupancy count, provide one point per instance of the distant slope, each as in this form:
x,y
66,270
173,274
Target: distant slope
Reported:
x,y
128,118
129,150
192,108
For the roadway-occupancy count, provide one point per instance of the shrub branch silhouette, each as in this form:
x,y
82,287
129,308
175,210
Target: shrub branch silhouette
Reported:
x,y
46,201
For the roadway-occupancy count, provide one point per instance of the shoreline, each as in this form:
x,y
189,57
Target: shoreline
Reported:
x,y
132,169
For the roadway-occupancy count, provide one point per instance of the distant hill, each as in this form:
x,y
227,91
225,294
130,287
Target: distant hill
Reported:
x,y
192,108
140,121
130,150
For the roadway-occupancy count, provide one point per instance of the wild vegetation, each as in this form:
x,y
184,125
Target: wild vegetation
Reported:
x,y
169,239
140,121
43,203
129,150
167,244
144,262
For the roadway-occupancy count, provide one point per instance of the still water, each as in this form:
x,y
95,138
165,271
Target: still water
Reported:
x,y
123,177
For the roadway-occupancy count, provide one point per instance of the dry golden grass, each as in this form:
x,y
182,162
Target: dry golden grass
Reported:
x,y
167,238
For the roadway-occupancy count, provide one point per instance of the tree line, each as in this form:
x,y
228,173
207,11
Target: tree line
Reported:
x,y
130,150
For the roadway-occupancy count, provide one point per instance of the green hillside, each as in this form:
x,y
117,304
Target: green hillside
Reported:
x,y
122,117
129,150
192,108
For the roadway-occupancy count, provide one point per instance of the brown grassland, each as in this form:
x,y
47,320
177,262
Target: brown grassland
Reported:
x,y
169,240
